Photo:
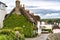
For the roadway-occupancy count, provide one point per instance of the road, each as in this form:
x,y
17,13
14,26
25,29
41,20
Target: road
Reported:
x,y
41,37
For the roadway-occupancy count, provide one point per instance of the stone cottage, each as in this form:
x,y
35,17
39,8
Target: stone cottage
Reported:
x,y
2,13
20,10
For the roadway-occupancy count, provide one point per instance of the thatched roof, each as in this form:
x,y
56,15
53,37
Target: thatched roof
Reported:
x,y
30,17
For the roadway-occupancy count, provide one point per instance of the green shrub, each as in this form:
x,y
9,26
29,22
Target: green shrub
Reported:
x,y
9,34
49,30
6,31
28,32
3,37
20,29
13,21
22,37
6,37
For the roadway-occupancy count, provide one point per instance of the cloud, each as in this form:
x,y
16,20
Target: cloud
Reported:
x,y
31,7
52,15
43,13
38,4
9,3
44,5
42,0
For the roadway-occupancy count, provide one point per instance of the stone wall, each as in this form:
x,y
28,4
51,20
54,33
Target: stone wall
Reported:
x,y
54,36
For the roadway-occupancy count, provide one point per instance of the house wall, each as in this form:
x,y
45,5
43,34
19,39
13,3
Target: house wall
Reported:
x,y
2,14
59,24
39,28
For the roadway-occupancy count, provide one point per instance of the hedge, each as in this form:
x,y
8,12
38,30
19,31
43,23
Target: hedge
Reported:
x,y
9,34
49,30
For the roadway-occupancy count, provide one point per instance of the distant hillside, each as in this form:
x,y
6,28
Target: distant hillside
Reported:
x,y
51,20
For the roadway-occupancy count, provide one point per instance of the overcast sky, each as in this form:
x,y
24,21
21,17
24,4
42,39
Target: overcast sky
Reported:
x,y
43,8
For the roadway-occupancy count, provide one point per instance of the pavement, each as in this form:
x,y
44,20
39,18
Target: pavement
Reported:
x,y
41,37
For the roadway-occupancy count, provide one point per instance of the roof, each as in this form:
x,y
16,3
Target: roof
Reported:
x,y
17,0
55,27
26,13
29,16
3,3
35,17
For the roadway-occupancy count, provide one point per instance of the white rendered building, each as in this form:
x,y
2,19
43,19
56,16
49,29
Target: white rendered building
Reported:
x,y
2,13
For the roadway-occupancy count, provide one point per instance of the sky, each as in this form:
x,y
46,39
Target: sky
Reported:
x,y
43,8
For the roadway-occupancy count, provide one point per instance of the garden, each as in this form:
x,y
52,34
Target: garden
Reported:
x,y
9,34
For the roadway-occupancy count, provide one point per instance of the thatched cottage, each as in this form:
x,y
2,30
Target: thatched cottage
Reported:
x,y
26,19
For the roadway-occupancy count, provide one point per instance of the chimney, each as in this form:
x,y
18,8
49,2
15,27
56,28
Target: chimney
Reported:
x,y
17,9
23,6
17,3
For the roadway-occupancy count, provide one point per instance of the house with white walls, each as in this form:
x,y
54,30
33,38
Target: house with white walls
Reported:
x,y
46,26
2,13
20,10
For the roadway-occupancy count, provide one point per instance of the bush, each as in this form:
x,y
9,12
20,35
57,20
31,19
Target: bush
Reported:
x,y
3,37
22,37
5,31
6,37
49,30
13,21
28,32
20,29
9,35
